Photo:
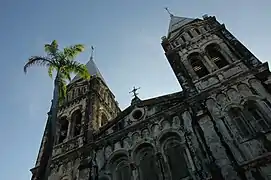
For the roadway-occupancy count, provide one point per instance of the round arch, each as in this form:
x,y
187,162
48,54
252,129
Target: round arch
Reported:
x,y
216,55
196,61
169,133
76,118
117,154
138,147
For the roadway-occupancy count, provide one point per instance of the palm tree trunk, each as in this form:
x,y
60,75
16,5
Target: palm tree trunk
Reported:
x,y
52,126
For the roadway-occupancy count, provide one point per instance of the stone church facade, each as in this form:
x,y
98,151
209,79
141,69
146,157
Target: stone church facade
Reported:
x,y
217,127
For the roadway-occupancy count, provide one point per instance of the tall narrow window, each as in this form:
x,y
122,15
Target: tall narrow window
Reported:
x,y
240,122
216,56
63,124
103,120
79,91
176,160
77,119
123,171
257,116
183,39
120,167
148,167
190,34
73,94
197,31
197,65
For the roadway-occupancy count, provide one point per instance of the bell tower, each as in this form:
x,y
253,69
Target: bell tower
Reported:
x,y
228,91
88,107
203,53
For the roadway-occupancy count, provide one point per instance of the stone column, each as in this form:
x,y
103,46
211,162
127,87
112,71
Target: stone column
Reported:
x,y
134,171
83,120
209,64
225,51
190,70
217,149
70,130
192,144
161,162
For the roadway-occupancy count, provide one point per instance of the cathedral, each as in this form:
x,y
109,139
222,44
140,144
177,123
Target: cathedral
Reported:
x,y
218,127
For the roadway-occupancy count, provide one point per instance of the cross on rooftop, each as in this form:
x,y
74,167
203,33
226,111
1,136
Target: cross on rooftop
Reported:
x,y
134,91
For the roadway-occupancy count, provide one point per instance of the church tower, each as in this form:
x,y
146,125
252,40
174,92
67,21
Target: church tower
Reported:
x,y
227,90
89,106
200,51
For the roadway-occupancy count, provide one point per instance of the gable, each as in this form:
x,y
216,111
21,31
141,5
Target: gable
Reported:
x,y
142,111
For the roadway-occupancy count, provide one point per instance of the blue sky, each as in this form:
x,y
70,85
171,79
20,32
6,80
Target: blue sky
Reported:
x,y
126,35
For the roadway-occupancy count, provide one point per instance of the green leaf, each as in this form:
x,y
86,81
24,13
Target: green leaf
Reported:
x,y
50,71
37,60
52,48
77,68
72,52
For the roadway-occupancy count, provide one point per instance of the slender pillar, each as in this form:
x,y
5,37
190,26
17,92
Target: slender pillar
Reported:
x,y
70,130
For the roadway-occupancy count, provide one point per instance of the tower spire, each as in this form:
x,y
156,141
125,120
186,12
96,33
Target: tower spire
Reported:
x,y
92,53
92,68
171,15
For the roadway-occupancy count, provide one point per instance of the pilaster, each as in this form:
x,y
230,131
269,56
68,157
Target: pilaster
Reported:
x,y
217,149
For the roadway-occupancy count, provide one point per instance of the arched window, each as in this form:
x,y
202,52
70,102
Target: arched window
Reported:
x,y
73,94
190,34
120,168
77,119
215,55
238,118
175,154
182,37
257,116
197,65
103,120
79,91
63,129
148,167
123,171
197,31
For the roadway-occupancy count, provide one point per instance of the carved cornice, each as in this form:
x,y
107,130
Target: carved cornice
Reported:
x,y
73,101
116,136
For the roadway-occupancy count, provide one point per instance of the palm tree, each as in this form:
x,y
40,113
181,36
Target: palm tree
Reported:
x,y
63,63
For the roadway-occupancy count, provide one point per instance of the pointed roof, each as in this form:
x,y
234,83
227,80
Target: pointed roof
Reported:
x,y
92,69
177,22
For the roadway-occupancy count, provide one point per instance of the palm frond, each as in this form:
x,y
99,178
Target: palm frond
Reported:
x,y
52,48
73,51
37,60
51,68
77,68
66,75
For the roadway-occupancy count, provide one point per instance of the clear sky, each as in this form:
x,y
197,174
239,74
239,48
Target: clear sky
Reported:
x,y
126,35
